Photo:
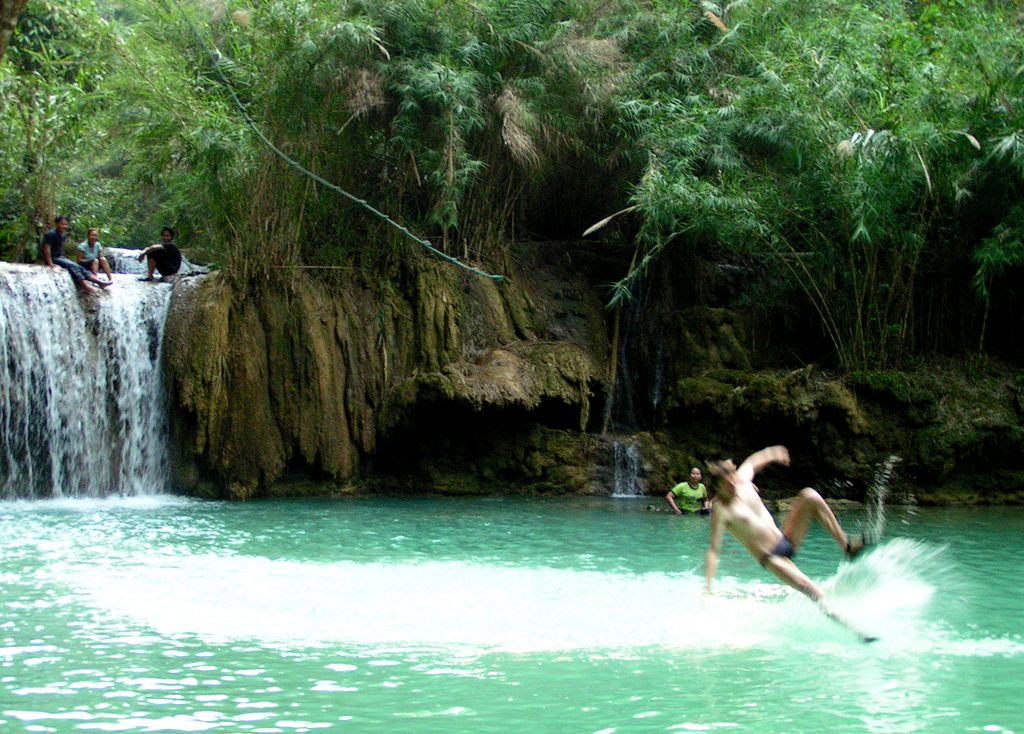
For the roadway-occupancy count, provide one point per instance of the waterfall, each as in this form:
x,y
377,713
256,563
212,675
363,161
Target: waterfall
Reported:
x,y
657,382
82,403
626,463
633,402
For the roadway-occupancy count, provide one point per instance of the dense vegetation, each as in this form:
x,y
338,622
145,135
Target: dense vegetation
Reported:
x,y
861,162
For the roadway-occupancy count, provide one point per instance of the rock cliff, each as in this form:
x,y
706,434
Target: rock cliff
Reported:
x,y
436,380
295,389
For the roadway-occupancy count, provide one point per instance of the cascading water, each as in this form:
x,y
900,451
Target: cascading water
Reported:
x,y
640,367
626,463
657,381
82,404
621,410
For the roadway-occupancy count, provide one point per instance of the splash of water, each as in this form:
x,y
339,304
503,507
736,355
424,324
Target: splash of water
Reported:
x,y
876,495
888,590
82,409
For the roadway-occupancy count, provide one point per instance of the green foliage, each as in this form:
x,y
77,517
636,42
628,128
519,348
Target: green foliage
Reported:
x,y
862,156
835,145
442,114
49,98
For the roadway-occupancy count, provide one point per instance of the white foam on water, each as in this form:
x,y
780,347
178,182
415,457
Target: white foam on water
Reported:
x,y
515,609
85,505
433,603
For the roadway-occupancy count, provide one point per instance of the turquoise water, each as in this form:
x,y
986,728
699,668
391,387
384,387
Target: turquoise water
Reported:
x,y
427,615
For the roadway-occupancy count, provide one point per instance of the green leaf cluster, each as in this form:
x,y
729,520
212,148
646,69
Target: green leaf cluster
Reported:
x,y
51,96
857,152
445,115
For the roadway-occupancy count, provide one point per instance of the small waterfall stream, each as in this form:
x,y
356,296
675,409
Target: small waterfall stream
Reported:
x,y
626,463
657,382
82,402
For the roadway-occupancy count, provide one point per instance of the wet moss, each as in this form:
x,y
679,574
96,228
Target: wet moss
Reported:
x,y
841,428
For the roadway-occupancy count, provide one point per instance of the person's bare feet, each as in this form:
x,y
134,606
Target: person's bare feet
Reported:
x,y
856,545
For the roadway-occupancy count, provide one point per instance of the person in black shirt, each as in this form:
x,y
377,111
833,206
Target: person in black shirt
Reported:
x,y
52,250
164,258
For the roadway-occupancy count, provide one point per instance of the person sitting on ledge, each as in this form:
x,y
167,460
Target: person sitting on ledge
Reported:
x,y
52,250
90,254
164,258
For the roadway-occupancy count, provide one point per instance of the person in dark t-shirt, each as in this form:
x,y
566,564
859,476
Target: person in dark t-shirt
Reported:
x,y
164,258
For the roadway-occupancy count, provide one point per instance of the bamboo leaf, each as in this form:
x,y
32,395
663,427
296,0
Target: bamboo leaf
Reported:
x,y
924,167
594,227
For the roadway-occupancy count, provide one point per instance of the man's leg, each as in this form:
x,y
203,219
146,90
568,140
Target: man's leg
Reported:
x,y
78,274
788,572
166,263
810,505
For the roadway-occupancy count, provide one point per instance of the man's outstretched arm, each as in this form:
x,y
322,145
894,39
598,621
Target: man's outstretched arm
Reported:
x,y
711,557
760,459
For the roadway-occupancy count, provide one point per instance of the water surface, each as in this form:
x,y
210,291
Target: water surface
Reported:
x,y
492,615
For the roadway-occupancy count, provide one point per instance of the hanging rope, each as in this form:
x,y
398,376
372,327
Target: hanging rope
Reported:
x,y
214,57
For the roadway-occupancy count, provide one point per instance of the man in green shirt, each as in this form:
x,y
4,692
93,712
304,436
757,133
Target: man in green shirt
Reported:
x,y
689,496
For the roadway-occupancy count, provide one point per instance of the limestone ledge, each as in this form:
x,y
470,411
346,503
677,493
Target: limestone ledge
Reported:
x,y
297,385
437,381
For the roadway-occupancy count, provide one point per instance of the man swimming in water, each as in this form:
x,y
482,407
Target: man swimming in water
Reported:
x,y
740,510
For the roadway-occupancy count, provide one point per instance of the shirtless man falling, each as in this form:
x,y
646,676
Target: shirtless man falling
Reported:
x,y
740,510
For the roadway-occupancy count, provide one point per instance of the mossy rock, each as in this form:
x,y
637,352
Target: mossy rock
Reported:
x,y
713,338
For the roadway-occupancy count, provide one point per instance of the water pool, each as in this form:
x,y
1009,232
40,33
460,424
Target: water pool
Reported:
x,y
492,615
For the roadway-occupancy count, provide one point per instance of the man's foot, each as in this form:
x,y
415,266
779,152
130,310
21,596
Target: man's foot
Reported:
x,y
856,545
147,279
89,288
